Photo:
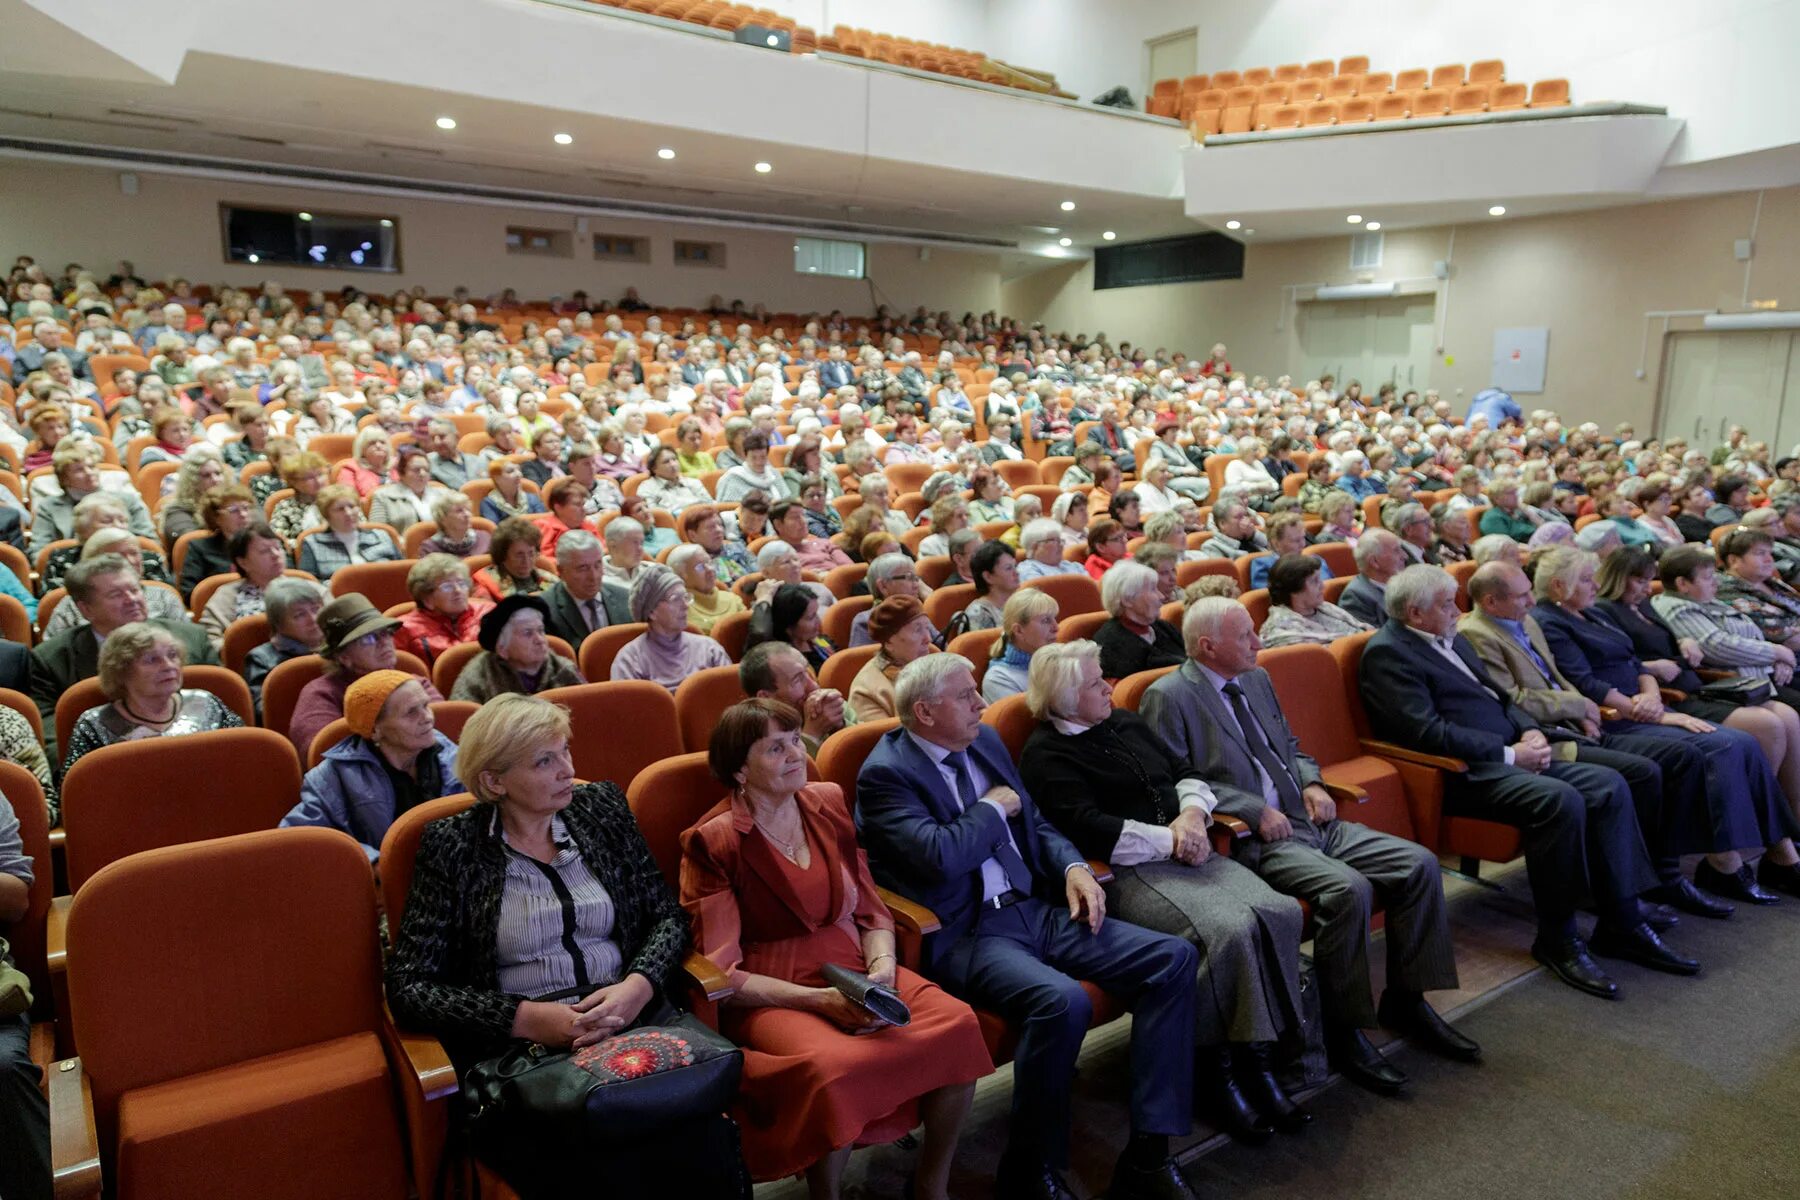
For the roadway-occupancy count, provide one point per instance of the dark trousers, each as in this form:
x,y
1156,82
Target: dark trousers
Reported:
x,y
1580,830
24,1117
1024,962
1659,774
1719,792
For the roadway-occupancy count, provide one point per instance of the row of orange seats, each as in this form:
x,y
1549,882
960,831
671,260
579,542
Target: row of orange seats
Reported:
x,y
718,14
1236,116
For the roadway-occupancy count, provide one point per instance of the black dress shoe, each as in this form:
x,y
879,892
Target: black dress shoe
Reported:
x,y
1776,878
1355,1059
1639,944
1659,917
1256,1079
1017,1180
1416,1020
1569,960
1223,1102
1739,885
1161,1182
1681,893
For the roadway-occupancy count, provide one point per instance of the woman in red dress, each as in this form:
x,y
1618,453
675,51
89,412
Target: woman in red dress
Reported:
x,y
777,888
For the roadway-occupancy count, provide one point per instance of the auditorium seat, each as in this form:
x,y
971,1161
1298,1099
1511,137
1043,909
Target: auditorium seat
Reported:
x,y
1355,64
599,648
1430,102
1487,70
1129,691
945,602
1285,117
1073,593
1469,99
1411,79
976,646
282,686
1356,112
1239,103
841,668
1550,93
1337,555
1508,97
644,710
701,700
1449,77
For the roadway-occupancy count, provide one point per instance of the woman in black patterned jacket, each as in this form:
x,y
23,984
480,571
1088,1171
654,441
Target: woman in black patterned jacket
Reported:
x,y
538,914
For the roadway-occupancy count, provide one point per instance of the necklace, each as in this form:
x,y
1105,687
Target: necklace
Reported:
x,y
789,850
174,708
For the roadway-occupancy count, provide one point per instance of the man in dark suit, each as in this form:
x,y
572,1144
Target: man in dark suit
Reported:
x,y
947,822
108,593
1425,688
582,600
15,666
835,372
1220,712
1379,557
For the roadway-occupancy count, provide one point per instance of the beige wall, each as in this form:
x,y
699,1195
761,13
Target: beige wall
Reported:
x,y
62,214
1589,277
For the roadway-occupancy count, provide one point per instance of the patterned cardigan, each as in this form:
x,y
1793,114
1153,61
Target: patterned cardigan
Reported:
x,y
444,976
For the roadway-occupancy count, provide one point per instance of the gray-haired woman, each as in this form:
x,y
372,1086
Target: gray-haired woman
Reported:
x,y
140,673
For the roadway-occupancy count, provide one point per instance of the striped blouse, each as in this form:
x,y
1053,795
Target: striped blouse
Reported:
x,y
556,924
1728,639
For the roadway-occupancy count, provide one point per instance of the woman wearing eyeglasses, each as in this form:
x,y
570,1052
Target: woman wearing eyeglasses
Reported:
x,y
447,613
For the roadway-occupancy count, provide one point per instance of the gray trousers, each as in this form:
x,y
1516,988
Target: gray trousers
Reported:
x,y
1339,870
1248,936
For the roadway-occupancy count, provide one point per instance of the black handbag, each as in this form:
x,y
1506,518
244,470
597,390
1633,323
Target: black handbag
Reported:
x,y
1738,690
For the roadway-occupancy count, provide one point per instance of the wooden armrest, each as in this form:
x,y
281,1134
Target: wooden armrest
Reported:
x,y
1417,757
1673,695
1103,871
59,838
910,916
1608,712
56,935
430,1065
1712,676
706,976
74,1141
1346,793
1236,828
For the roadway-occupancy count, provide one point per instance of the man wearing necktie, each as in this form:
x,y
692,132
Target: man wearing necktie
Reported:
x,y
1220,711
947,822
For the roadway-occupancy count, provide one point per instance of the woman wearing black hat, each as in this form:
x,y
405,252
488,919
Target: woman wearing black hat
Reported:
x,y
515,654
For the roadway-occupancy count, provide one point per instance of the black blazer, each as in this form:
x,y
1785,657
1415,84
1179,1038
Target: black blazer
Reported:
x,y
1123,652
1087,785
1596,655
1416,699
566,621
1651,639
15,666
444,978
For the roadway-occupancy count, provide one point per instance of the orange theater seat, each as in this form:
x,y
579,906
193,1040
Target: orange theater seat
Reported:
x,y
1430,102
1257,76
1323,113
1356,112
1074,593
1222,80
1550,93
1470,98
1508,97
1355,64
1342,87
1286,117
620,727
1376,84
701,700
1451,76
1411,79
1487,70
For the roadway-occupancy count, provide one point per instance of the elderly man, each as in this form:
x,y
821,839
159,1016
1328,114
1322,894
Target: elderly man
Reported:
x,y
49,341
449,466
1411,523
947,822
1219,710
625,559
707,601
1234,531
583,599
1425,688
889,575
76,463
1379,557
1354,478
787,521
778,671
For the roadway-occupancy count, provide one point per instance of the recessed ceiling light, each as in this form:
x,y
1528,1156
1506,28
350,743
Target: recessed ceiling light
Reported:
x,y
1354,218
1372,226
665,153
386,223
1499,210
306,216
1068,206
254,258
1065,241
562,139
1234,224
446,122
1108,236
763,168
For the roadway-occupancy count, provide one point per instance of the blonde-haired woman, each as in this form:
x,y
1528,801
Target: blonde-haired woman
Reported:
x,y
140,675
344,540
1027,625
371,455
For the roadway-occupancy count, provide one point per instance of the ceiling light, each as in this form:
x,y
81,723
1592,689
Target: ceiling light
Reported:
x,y
446,122
254,258
665,153
1234,224
1108,236
763,168
1065,241
1068,206
1354,218
562,139
306,216
1372,226
386,223
1499,210
1248,232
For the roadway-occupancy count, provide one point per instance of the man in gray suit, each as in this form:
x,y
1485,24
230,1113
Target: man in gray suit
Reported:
x,y
1220,711
582,600
449,466
77,467
1234,531
1379,557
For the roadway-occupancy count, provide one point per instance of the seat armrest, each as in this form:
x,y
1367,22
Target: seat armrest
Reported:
x,y
1673,695
426,1080
1417,757
909,916
1231,825
56,935
74,1141
1345,793
59,838
1712,676
431,1067
713,983
1102,871
1608,712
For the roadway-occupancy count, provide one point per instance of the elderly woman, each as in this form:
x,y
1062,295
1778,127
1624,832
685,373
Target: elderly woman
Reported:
x,y
1041,548
1111,784
1107,544
1298,611
292,605
545,463
1286,532
224,511
94,512
707,601
454,515
1690,606
473,966
321,415
259,556
293,515
1506,516
1339,513
505,438
509,496
1135,638
355,639
667,488
991,502
515,654
994,571
447,611
568,510
890,574
1317,484
875,492
903,632
1654,501
140,675
1451,545
1720,796
198,474
174,433
690,438
665,653
344,540
1027,625
754,474
1184,477
413,494
780,564
790,614
776,837
251,444
625,559
1752,586
394,760
370,457
1247,475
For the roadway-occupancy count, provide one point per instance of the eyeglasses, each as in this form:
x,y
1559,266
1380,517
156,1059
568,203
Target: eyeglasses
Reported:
x,y
454,585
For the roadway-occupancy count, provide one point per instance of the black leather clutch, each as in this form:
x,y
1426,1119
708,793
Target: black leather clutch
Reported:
x,y
882,1003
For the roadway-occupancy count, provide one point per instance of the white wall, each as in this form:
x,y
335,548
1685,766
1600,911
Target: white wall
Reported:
x,y
171,227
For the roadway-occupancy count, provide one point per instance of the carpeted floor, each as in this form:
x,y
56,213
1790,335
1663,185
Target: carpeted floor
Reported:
x,y
1685,1088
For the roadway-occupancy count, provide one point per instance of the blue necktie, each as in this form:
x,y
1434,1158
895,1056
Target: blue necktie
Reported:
x,y
1264,751
1017,873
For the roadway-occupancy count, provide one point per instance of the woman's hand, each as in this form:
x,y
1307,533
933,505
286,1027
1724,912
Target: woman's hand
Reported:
x,y
611,1010
1664,669
881,969
1647,707
545,1022
834,1007
1691,651
1683,721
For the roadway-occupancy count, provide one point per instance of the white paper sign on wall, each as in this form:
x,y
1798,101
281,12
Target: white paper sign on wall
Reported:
x,y
1520,356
